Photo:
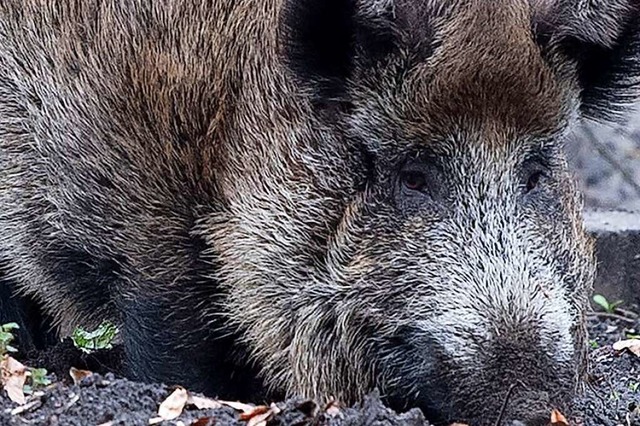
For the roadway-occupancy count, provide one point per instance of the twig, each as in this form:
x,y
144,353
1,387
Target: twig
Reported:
x,y
504,404
627,313
605,152
72,401
35,404
612,316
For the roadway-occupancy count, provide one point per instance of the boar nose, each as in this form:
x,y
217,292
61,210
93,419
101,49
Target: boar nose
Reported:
x,y
529,408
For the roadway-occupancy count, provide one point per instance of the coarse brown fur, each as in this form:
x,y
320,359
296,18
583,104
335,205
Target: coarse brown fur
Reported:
x,y
340,194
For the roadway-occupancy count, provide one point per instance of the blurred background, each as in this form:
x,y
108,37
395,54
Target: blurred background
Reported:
x,y
606,159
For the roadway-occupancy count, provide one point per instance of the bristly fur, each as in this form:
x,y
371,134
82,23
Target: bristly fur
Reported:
x,y
318,197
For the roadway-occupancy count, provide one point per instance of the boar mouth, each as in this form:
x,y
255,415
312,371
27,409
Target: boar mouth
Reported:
x,y
463,396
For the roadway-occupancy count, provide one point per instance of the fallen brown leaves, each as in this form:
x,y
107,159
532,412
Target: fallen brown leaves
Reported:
x,y
78,375
632,345
333,408
260,415
558,419
173,406
202,403
13,376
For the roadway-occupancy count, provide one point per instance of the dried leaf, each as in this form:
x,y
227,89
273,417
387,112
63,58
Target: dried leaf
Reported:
x,y
78,375
633,345
202,403
332,409
458,424
275,409
13,377
204,421
239,406
255,411
260,419
558,419
172,407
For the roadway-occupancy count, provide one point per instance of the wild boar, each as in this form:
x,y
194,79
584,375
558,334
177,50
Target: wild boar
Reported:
x,y
329,195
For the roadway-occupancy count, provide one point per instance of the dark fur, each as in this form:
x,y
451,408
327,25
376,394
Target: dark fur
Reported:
x,y
34,331
223,181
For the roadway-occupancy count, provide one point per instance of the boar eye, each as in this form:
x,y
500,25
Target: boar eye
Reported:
x,y
535,171
413,180
533,180
419,184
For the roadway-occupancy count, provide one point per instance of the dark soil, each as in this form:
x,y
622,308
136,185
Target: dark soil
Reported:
x,y
58,359
612,397
613,394
109,401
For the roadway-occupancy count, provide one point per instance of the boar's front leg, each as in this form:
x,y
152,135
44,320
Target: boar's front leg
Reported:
x,y
181,339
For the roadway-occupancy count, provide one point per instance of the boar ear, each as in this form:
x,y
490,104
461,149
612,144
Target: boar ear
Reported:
x,y
603,37
322,41
316,41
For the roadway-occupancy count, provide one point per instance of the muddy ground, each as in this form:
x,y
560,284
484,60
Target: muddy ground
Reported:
x,y
612,398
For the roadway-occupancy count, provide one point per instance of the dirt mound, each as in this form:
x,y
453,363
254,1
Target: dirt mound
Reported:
x,y
612,397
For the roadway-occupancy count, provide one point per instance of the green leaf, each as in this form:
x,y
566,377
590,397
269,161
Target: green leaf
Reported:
x,y
601,301
39,377
5,336
91,341
615,304
10,326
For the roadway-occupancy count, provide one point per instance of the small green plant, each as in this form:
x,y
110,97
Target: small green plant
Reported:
x,y
633,387
609,307
91,341
593,344
37,379
7,337
632,336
